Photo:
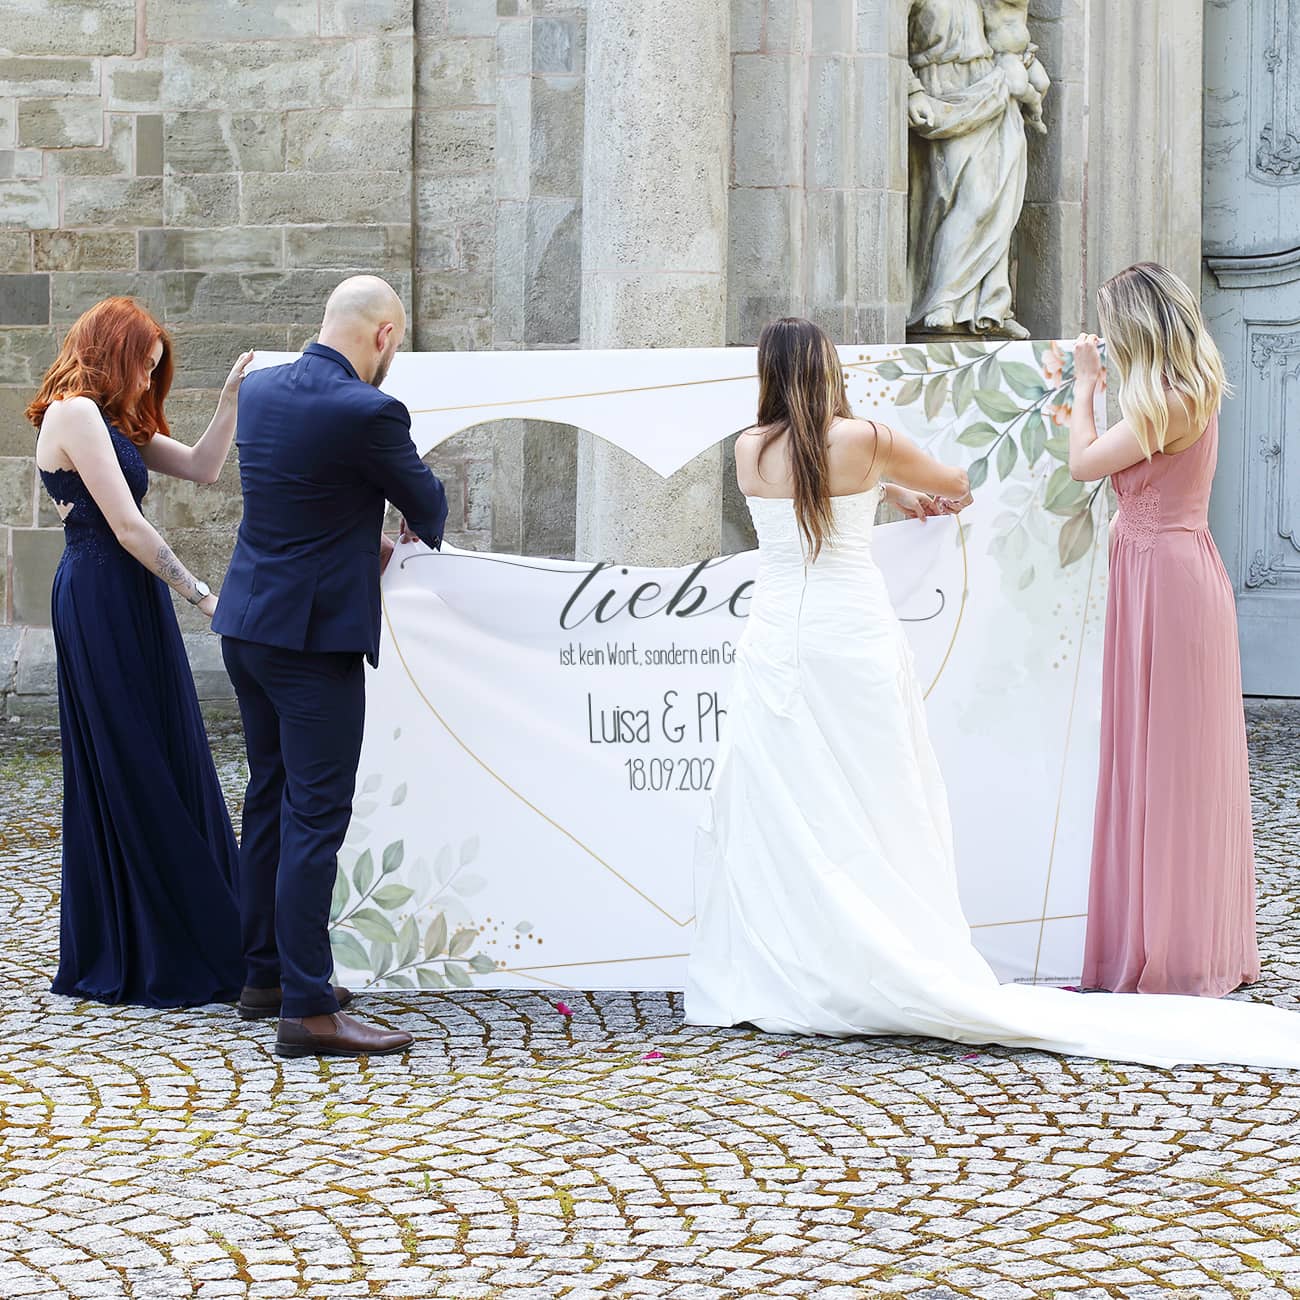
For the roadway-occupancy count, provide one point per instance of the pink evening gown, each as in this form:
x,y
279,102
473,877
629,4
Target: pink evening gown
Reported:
x,y
1171,907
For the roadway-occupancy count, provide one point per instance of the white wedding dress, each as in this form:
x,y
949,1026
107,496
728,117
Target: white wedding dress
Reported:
x,y
826,890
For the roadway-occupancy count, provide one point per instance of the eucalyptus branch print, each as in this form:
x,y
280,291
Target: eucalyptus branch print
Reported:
x,y
399,934
1015,416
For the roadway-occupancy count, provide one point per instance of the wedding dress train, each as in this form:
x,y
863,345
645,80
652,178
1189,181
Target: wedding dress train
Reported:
x,y
826,888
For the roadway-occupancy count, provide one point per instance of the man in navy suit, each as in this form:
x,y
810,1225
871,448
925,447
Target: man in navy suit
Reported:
x,y
320,450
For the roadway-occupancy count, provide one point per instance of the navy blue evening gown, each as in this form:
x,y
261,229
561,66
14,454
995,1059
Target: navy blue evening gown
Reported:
x,y
148,907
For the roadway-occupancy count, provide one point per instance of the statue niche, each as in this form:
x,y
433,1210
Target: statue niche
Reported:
x,y
975,82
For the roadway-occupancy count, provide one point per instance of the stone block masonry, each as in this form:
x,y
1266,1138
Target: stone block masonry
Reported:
x,y
227,162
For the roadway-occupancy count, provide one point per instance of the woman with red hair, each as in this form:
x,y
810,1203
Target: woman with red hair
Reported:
x,y
148,911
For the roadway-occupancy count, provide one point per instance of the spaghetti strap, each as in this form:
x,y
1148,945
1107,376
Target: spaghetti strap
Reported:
x,y
875,451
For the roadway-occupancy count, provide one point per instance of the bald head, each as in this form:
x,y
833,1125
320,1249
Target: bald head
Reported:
x,y
365,299
365,320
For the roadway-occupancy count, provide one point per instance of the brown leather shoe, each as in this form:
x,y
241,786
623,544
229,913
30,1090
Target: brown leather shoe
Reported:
x,y
262,1004
337,1035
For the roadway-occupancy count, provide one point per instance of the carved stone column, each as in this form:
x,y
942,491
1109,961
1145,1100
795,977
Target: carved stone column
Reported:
x,y
654,239
1145,96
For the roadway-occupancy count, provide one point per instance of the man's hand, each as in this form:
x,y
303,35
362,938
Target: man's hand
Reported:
x,y
405,535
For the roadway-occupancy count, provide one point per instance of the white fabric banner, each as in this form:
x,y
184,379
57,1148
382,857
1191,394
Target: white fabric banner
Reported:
x,y
540,733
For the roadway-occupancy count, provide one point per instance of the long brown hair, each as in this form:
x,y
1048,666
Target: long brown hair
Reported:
x,y
801,392
101,358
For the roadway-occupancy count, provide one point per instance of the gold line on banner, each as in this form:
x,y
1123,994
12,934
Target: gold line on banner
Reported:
x,y
614,392
961,610
1065,753
528,803
574,397
541,979
1031,920
529,972
595,961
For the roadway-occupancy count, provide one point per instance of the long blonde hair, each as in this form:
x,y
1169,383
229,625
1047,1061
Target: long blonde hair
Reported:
x,y
801,392
1157,339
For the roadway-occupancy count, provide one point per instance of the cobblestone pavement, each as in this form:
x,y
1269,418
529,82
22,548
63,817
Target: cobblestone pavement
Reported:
x,y
517,1153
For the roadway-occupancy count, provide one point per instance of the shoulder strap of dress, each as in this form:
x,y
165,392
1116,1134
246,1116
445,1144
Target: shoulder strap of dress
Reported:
x,y
875,450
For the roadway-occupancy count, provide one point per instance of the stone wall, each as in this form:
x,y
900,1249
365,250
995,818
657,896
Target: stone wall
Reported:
x,y
498,200
818,208
1118,179
1049,246
225,163
228,161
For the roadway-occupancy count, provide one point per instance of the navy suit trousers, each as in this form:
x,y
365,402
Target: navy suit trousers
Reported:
x,y
303,715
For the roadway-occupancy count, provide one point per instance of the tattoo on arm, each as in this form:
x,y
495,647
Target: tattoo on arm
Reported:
x,y
173,572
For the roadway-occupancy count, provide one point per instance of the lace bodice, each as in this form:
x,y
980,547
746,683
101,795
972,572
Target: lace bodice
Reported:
x,y
1167,494
84,527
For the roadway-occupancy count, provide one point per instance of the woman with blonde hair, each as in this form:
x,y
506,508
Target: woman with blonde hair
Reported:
x,y
1172,900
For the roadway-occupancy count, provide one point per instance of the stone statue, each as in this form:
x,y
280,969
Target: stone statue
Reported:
x,y
975,81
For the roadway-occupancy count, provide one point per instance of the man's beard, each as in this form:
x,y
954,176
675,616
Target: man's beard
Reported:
x,y
381,373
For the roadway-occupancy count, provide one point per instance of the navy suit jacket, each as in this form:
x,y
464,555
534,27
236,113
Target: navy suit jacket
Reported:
x,y
320,451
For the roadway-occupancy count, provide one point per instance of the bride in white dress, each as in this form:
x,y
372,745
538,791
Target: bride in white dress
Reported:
x,y
826,888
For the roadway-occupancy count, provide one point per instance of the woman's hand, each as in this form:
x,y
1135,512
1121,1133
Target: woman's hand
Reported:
x,y
230,389
917,505
1087,361
208,606
955,505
